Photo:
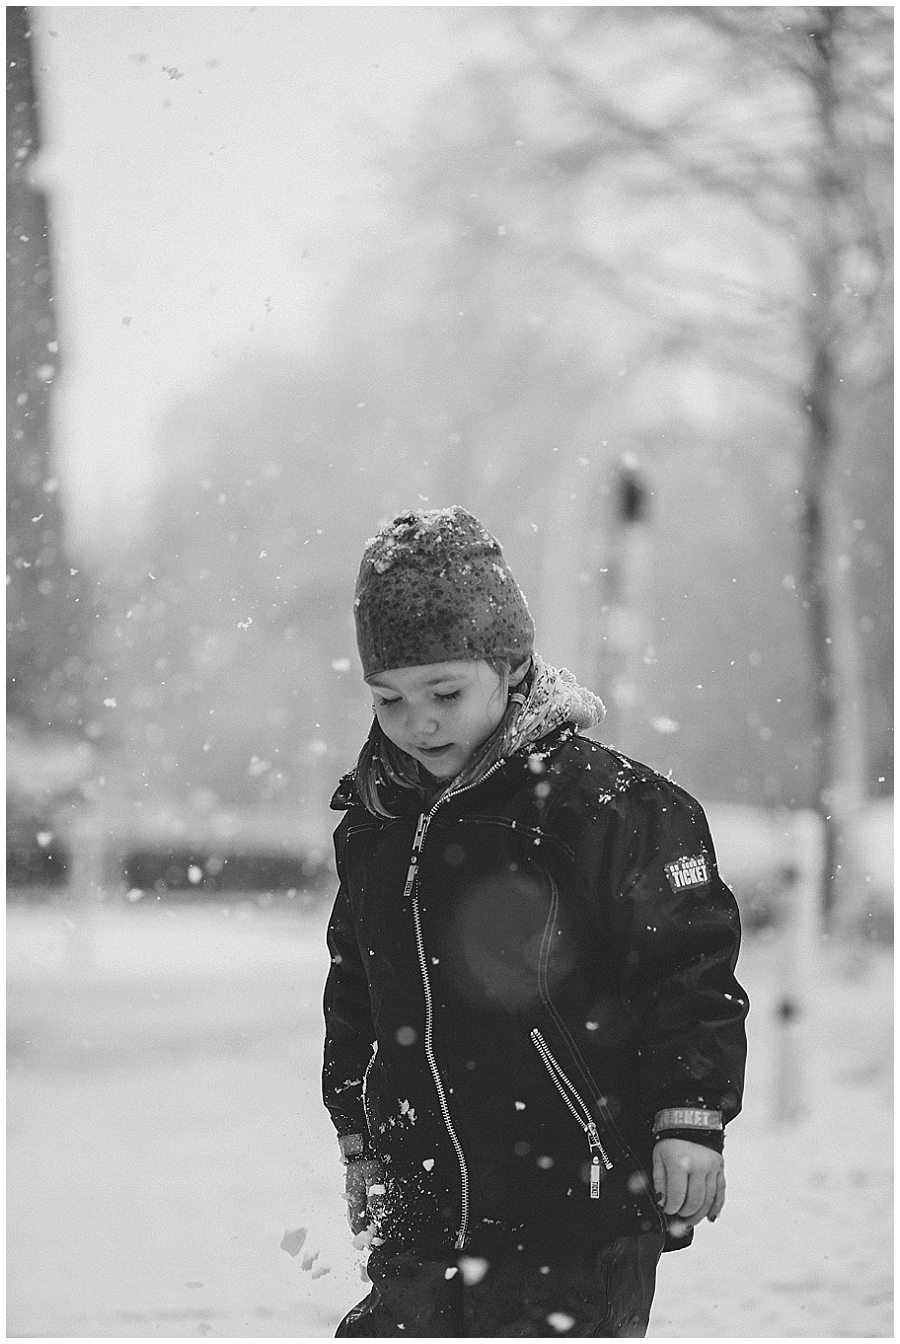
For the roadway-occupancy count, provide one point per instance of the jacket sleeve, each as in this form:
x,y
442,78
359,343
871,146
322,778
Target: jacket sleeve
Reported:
x,y
349,1033
681,928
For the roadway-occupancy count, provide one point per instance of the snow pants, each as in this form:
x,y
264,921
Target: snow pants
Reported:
x,y
604,1291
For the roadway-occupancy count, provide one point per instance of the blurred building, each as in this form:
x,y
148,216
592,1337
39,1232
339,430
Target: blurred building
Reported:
x,y
46,595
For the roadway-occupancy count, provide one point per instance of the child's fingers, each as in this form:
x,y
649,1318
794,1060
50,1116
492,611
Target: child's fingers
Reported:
x,y
699,1198
357,1210
689,1181
712,1203
357,1215
675,1186
696,1199
362,1188
659,1177
718,1197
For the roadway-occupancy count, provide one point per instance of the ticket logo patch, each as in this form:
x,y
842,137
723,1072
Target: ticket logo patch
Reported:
x,y
691,871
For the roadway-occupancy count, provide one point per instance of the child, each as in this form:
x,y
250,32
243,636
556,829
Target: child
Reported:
x,y
534,1036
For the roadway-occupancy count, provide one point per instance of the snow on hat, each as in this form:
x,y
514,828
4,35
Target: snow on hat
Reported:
x,y
433,587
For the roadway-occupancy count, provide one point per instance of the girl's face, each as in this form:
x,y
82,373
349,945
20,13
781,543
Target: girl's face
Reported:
x,y
440,713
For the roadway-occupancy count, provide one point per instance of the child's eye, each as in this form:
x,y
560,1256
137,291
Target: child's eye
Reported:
x,y
448,695
386,704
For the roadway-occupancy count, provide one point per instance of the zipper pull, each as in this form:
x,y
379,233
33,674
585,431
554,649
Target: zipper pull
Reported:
x,y
595,1177
414,856
597,1147
420,832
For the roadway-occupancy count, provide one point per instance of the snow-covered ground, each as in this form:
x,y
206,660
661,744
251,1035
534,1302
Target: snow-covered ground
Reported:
x,y
165,1132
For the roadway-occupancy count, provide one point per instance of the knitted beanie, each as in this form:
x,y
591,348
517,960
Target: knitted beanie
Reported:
x,y
433,587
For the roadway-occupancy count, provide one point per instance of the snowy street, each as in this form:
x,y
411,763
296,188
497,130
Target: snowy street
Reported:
x,y
165,1132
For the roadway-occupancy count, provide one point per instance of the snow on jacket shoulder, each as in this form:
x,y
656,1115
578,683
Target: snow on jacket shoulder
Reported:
x,y
505,1026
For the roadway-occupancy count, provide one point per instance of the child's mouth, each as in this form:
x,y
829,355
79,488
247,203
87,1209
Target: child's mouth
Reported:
x,y
435,751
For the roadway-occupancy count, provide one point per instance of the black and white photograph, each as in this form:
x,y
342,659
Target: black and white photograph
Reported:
x,y
449,671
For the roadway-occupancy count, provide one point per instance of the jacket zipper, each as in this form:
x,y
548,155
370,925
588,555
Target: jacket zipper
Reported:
x,y
439,1086
579,1110
418,839
364,1090
409,889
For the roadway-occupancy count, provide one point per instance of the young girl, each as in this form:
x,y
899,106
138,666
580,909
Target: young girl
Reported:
x,y
534,1036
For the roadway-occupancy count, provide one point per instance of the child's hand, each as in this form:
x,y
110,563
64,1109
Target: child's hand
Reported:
x,y
363,1184
689,1180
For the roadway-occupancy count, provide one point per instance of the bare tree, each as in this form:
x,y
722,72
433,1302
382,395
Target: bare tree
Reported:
x,y
598,136
814,169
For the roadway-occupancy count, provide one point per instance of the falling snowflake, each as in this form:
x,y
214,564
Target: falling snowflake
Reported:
x,y
473,1269
560,1321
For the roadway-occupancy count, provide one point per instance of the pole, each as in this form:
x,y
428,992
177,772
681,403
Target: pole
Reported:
x,y
802,879
629,581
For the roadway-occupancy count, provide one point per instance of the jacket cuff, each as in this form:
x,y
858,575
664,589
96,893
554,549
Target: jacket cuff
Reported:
x,y
688,1117
707,1138
355,1148
694,1124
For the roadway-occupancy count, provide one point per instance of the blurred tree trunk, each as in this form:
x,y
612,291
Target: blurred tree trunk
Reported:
x,y
840,784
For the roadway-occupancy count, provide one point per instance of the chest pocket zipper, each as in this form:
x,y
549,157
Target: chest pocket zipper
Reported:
x,y
365,1087
579,1110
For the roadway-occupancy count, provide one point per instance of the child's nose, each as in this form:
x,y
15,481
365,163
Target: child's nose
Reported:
x,y
422,721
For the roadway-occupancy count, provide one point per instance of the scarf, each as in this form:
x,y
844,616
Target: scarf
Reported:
x,y
554,697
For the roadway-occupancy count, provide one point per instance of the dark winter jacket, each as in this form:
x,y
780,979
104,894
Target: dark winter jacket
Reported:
x,y
521,978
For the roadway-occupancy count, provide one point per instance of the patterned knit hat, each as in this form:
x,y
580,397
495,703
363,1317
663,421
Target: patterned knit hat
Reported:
x,y
433,587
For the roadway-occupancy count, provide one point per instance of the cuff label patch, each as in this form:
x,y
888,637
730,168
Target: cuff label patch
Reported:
x,y
691,871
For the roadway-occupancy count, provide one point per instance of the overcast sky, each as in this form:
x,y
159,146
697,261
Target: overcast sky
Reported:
x,y
208,176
